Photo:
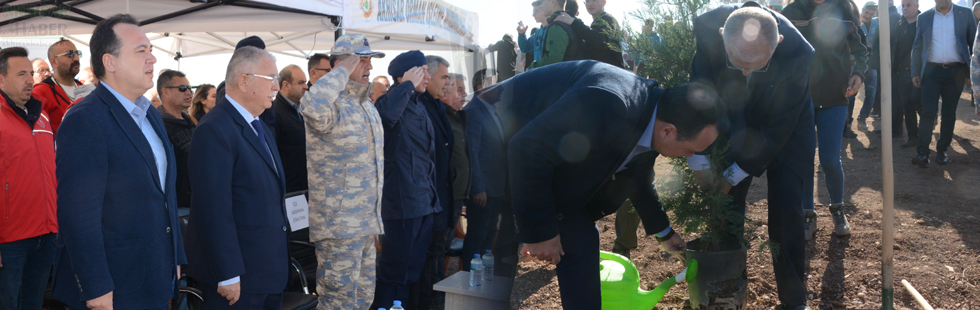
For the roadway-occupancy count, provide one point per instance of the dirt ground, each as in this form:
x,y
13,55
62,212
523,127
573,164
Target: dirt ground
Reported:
x,y
937,234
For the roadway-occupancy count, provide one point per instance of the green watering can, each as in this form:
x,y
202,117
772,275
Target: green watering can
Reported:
x,y
621,283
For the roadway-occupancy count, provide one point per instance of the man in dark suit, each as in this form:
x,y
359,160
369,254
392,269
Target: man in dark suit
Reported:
x,y
119,244
764,82
488,188
409,200
583,136
237,232
435,258
940,66
290,127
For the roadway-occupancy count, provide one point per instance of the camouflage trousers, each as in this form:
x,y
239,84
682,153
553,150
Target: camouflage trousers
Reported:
x,y
345,273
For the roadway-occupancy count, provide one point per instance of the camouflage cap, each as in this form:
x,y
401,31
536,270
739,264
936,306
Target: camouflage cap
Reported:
x,y
354,44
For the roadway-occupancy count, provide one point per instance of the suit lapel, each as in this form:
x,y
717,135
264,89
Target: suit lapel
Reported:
x,y
249,133
132,130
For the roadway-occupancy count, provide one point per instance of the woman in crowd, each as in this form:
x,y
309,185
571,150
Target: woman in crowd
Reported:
x,y
836,72
204,100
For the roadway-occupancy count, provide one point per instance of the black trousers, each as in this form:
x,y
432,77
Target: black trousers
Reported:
x,y
785,228
403,251
906,104
578,270
945,83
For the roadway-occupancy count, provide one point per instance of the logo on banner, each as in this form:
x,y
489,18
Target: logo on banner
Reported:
x,y
367,7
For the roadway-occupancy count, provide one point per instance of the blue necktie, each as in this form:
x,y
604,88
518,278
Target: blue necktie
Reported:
x,y
257,125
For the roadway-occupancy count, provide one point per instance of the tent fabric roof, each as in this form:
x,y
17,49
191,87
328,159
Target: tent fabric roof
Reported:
x,y
292,27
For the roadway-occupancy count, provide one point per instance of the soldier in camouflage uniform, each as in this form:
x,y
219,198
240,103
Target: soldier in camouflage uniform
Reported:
x,y
344,151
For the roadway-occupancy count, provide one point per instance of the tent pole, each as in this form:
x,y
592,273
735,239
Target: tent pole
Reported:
x,y
887,165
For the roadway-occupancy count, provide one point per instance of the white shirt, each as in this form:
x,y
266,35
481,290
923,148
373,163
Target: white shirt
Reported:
x,y
733,174
69,90
942,49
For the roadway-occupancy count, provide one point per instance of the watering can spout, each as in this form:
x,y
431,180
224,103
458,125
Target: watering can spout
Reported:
x,y
649,299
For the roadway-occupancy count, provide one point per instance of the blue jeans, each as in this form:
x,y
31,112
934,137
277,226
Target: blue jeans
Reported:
x,y
830,123
870,90
25,272
946,83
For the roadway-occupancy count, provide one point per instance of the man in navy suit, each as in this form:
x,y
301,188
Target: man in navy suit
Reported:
x,y
940,66
759,64
583,137
488,183
120,244
237,228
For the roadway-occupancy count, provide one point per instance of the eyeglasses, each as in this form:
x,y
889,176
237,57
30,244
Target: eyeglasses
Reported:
x,y
181,88
39,71
71,53
759,70
274,78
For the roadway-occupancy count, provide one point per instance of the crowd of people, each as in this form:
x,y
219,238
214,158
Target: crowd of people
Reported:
x,y
389,164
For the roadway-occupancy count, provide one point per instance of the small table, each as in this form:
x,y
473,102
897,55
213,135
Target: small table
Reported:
x,y
493,295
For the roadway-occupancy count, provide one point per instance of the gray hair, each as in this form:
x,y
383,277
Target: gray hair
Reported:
x,y
433,60
751,24
242,61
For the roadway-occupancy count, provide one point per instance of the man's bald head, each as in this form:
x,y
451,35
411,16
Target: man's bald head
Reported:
x,y
751,35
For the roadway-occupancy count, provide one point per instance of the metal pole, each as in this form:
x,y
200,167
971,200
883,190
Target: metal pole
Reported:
x,y
887,168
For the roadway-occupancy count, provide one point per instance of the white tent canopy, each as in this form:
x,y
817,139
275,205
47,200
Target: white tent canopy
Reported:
x,y
184,28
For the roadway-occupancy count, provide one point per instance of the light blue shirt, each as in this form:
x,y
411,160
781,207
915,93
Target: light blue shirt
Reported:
x,y
643,146
138,111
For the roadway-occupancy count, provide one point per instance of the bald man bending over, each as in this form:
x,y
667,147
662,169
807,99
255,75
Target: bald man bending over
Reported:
x,y
759,63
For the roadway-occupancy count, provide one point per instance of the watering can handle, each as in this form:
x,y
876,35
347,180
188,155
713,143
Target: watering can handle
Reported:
x,y
631,270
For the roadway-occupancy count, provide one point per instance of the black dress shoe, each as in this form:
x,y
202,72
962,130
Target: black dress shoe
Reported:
x,y
911,142
921,161
941,158
848,133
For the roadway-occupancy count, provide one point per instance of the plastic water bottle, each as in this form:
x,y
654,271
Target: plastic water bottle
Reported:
x,y
397,305
476,270
488,266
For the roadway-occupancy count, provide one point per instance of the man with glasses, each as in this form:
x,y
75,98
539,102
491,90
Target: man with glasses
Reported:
x,y
57,92
318,65
345,149
175,98
41,70
759,63
237,237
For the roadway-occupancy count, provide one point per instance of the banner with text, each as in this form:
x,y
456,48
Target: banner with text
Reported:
x,y
435,19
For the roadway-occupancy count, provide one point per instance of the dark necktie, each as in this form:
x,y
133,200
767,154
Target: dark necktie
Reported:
x,y
257,125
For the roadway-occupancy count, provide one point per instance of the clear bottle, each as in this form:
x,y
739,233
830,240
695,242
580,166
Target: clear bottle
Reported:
x,y
488,266
397,306
476,270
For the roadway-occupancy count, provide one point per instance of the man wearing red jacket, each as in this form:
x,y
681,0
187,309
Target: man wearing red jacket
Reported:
x,y
57,92
28,197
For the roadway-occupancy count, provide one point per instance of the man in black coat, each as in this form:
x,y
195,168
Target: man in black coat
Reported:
x,y
175,97
290,132
584,136
764,82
